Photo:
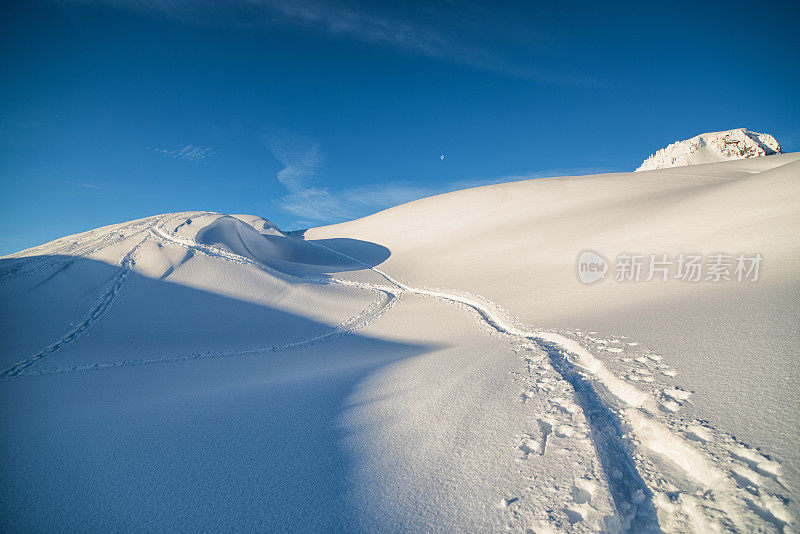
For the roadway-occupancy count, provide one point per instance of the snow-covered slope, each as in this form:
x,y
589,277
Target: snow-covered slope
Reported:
x,y
713,147
437,366
733,344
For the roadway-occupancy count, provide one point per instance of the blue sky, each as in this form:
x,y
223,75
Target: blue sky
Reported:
x,y
310,112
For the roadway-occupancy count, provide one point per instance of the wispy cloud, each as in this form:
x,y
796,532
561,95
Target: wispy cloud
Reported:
x,y
301,159
321,205
186,153
339,19
88,185
454,33
311,204
428,35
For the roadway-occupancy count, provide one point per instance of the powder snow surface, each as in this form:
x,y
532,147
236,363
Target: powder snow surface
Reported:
x,y
434,367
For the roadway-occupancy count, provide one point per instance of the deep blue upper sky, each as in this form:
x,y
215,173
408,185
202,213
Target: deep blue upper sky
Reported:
x,y
309,112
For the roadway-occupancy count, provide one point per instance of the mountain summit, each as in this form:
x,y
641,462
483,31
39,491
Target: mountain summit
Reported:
x,y
713,147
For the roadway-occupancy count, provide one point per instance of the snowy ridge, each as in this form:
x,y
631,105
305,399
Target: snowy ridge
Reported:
x,y
658,478
713,147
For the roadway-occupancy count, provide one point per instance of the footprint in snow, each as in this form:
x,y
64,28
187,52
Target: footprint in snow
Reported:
x,y
583,491
756,461
530,446
574,515
565,406
678,395
564,431
670,406
508,501
698,433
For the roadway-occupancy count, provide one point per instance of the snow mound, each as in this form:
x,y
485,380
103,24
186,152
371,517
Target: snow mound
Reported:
x,y
711,148
260,240
262,225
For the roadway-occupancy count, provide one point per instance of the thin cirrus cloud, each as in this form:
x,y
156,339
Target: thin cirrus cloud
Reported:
x,y
300,157
186,153
312,205
88,185
302,161
319,205
446,35
452,42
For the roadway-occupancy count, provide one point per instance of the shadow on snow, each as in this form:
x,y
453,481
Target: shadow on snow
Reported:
x,y
252,441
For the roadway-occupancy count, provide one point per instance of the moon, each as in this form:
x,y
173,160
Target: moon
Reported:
x,y
442,156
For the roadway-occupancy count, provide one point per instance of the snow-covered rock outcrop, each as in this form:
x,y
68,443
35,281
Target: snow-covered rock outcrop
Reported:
x,y
713,147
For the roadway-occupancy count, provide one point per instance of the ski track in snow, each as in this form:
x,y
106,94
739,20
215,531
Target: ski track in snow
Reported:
x,y
653,468
387,299
356,322
88,243
102,305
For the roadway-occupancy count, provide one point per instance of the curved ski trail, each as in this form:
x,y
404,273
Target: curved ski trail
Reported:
x,y
652,472
387,299
356,322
